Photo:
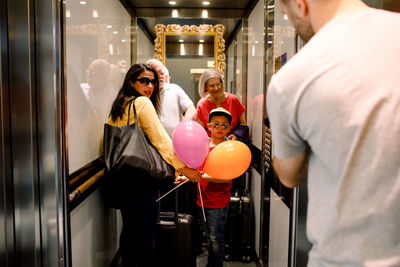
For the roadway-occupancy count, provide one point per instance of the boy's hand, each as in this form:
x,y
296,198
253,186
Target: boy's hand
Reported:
x,y
232,137
207,177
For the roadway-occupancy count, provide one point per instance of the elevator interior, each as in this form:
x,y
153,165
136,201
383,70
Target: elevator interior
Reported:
x,y
51,208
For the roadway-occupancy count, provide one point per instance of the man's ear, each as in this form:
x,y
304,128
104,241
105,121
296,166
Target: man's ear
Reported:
x,y
300,7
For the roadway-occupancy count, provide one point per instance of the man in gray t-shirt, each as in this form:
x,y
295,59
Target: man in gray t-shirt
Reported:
x,y
174,102
334,110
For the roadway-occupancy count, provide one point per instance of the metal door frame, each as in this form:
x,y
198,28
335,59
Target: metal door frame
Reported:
x,y
33,211
6,202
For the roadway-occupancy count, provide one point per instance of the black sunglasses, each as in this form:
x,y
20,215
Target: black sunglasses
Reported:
x,y
215,125
145,81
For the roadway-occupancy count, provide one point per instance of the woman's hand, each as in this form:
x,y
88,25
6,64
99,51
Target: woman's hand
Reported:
x,y
192,174
180,179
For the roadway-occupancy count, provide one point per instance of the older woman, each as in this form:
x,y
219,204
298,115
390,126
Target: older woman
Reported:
x,y
211,89
139,209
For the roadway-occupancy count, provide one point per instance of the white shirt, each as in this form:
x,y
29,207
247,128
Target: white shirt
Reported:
x,y
341,96
173,102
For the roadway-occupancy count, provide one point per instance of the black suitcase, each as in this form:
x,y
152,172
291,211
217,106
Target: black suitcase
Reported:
x,y
239,230
233,228
174,239
247,216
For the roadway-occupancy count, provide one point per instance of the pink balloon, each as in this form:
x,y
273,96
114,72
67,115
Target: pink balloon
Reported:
x,y
190,142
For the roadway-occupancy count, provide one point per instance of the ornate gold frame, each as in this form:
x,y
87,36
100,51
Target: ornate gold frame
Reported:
x,y
104,36
217,31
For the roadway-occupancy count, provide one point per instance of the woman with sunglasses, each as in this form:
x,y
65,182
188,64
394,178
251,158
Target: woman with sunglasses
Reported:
x,y
211,89
139,210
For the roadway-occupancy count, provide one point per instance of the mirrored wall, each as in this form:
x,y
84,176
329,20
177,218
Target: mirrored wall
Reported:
x,y
98,53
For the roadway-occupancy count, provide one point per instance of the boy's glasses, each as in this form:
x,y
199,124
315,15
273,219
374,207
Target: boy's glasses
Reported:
x,y
145,81
215,125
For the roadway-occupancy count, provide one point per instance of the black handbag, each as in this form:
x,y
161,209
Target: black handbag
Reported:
x,y
127,149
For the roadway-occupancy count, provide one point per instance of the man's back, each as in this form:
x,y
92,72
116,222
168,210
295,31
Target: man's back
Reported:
x,y
173,103
341,95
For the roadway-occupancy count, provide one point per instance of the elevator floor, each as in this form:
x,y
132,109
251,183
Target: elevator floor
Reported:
x,y
201,261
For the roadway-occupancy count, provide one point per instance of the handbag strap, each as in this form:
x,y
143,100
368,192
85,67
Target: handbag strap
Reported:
x,y
132,103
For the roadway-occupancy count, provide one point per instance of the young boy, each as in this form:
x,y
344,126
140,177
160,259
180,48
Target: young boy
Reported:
x,y
216,193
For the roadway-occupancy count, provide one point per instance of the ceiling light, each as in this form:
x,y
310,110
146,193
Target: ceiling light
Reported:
x,y
95,14
111,49
67,13
204,14
123,40
200,49
82,2
115,32
175,13
182,49
285,17
109,26
201,41
172,3
206,3
180,40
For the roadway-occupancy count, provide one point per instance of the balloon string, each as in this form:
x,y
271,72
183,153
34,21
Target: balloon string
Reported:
x,y
171,190
201,200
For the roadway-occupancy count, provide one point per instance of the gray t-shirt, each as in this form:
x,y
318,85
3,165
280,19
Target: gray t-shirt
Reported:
x,y
340,95
173,103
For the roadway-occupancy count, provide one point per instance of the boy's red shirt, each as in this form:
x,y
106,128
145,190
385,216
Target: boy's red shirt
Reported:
x,y
215,195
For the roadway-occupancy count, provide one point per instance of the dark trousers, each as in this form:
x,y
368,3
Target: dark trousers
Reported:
x,y
139,220
214,228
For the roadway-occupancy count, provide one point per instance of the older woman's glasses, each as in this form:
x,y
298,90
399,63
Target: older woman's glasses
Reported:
x,y
223,125
145,81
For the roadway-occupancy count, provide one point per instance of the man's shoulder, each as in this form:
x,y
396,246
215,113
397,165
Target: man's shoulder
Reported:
x,y
172,86
172,89
321,52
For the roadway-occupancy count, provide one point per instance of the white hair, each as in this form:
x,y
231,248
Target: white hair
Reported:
x,y
154,61
207,75
166,75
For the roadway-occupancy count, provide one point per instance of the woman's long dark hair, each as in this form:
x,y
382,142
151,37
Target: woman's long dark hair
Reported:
x,y
128,91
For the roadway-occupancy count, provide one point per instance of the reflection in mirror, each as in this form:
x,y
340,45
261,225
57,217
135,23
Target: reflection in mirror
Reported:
x,y
188,50
97,41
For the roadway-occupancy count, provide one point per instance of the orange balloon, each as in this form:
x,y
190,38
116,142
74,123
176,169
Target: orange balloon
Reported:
x,y
228,160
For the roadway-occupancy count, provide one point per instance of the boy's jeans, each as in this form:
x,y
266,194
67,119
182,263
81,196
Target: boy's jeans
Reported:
x,y
214,228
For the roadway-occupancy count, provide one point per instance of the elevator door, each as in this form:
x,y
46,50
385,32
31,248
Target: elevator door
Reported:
x,y
32,185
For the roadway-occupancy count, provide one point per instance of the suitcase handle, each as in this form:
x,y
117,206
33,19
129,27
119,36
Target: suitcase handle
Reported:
x,y
176,208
